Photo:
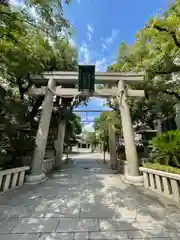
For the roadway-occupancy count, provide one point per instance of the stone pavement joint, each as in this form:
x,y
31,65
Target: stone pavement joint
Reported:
x,y
86,204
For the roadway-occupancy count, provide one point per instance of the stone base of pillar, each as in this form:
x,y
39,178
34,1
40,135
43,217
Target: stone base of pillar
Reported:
x,y
57,168
135,180
57,174
35,179
113,166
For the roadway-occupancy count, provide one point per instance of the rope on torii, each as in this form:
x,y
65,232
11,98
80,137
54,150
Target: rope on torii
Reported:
x,y
60,101
120,94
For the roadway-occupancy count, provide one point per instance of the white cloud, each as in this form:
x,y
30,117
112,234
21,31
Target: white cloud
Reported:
x,y
89,127
33,12
103,102
104,47
20,4
109,40
17,3
91,118
84,54
72,42
90,31
90,28
89,36
101,64
87,55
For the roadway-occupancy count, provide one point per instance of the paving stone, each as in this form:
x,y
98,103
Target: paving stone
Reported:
x,y
144,218
57,236
112,235
87,199
124,212
152,226
137,234
154,233
4,210
35,225
19,237
58,212
110,224
20,211
7,224
81,236
99,197
96,211
77,225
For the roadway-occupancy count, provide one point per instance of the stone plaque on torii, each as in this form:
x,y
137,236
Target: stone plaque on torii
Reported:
x,y
50,84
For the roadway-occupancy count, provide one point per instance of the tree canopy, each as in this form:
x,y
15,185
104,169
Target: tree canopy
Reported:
x,y
101,126
34,37
155,51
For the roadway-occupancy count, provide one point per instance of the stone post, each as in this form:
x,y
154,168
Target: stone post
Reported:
x,y
132,175
158,126
102,146
112,147
60,144
37,174
177,118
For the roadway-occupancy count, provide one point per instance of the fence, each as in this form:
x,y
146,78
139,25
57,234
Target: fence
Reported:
x,y
167,184
12,178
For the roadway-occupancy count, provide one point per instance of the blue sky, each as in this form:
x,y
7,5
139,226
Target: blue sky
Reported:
x,y
100,26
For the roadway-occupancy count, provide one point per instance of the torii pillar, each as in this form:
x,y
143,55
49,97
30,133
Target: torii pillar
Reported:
x,y
37,174
112,147
60,144
131,174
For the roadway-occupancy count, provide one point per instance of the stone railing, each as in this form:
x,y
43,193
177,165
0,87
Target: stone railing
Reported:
x,y
12,178
48,165
167,184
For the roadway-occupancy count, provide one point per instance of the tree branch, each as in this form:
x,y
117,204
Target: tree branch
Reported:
x,y
130,61
172,93
172,33
167,72
25,20
162,29
36,106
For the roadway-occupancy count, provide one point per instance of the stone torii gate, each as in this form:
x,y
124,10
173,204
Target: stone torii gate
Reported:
x,y
49,84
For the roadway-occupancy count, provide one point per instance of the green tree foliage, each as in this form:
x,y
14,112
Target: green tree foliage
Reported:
x,y
73,128
101,126
47,16
90,137
26,49
155,51
30,44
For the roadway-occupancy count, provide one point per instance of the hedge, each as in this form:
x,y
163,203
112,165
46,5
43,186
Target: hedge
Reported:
x,y
164,168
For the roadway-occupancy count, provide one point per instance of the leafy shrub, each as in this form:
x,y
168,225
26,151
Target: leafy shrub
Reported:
x,y
23,142
164,168
15,144
166,148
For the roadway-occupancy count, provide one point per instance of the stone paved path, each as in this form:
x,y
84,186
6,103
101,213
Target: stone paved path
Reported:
x,y
86,201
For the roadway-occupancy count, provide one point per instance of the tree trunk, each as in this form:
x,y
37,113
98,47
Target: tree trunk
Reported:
x,y
104,157
104,153
67,154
